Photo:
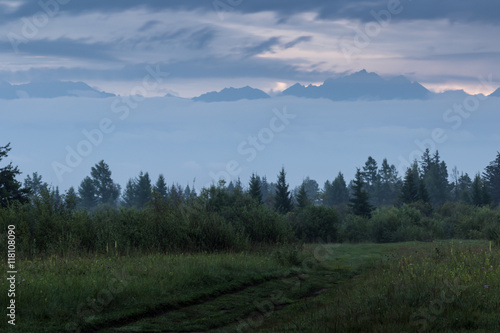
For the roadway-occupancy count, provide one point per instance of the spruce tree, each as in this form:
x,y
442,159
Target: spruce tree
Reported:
x,y
302,199
389,184
339,190
480,195
492,179
143,189
410,188
359,202
161,186
255,188
87,193
283,201
71,199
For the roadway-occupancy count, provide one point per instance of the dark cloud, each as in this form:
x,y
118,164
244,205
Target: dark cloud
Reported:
x,y
261,47
200,68
200,38
64,48
454,10
297,41
148,25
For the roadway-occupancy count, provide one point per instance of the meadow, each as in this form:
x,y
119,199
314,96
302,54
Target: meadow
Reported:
x,y
445,286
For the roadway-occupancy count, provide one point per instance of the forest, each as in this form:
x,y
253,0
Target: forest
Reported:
x,y
426,203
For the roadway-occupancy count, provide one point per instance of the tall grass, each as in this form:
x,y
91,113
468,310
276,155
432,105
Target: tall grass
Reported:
x,y
440,287
65,294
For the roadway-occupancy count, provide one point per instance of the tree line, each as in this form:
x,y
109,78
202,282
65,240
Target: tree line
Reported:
x,y
377,205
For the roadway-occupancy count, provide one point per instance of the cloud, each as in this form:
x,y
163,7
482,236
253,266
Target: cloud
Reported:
x,y
148,25
65,48
201,38
262,47
453,10
297,41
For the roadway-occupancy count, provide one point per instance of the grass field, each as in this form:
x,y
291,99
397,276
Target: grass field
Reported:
x,y
450,286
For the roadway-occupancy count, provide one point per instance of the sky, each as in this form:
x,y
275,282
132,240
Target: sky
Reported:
x,y
186,48
199,45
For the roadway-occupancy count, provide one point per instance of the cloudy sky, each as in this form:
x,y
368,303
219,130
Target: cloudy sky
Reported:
x,y
207,45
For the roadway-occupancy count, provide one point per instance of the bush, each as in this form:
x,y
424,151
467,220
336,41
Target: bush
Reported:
x,y
315,222
354,229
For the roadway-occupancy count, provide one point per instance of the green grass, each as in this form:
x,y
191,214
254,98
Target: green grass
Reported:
x,y
401,287
90,292
418,287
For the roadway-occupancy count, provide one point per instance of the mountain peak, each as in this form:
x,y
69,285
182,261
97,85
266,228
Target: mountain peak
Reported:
x,y
232,94
362,85
496,93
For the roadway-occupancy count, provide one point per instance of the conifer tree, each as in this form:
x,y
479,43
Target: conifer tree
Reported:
x,y
480,195
87,193
302,199
283,200
492,179
161,186
11,190
255,188
359,201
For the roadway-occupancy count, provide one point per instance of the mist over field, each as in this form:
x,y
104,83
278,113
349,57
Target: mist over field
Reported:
x,y
188,140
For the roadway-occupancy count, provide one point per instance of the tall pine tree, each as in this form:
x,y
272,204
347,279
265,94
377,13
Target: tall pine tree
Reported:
x,y
283,200
492,179
359,202
255,188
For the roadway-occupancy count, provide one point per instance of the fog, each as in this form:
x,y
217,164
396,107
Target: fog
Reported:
x,y
199,141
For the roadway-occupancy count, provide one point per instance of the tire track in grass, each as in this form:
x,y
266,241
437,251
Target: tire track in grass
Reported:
x,y
228,309
164,309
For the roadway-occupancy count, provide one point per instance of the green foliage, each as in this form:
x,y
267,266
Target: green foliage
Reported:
x,y
336,193
359,201
480,195
107,192
283,200
314,222
492,179
11,190
302,199
354,229
255,188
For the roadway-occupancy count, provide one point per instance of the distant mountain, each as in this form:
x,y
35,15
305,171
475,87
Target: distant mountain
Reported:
x,y
49,90
452,94
232,94
362,86
496,93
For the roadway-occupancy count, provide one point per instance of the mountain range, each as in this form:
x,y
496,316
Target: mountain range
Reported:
x,y
361,85
49,90
357,86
